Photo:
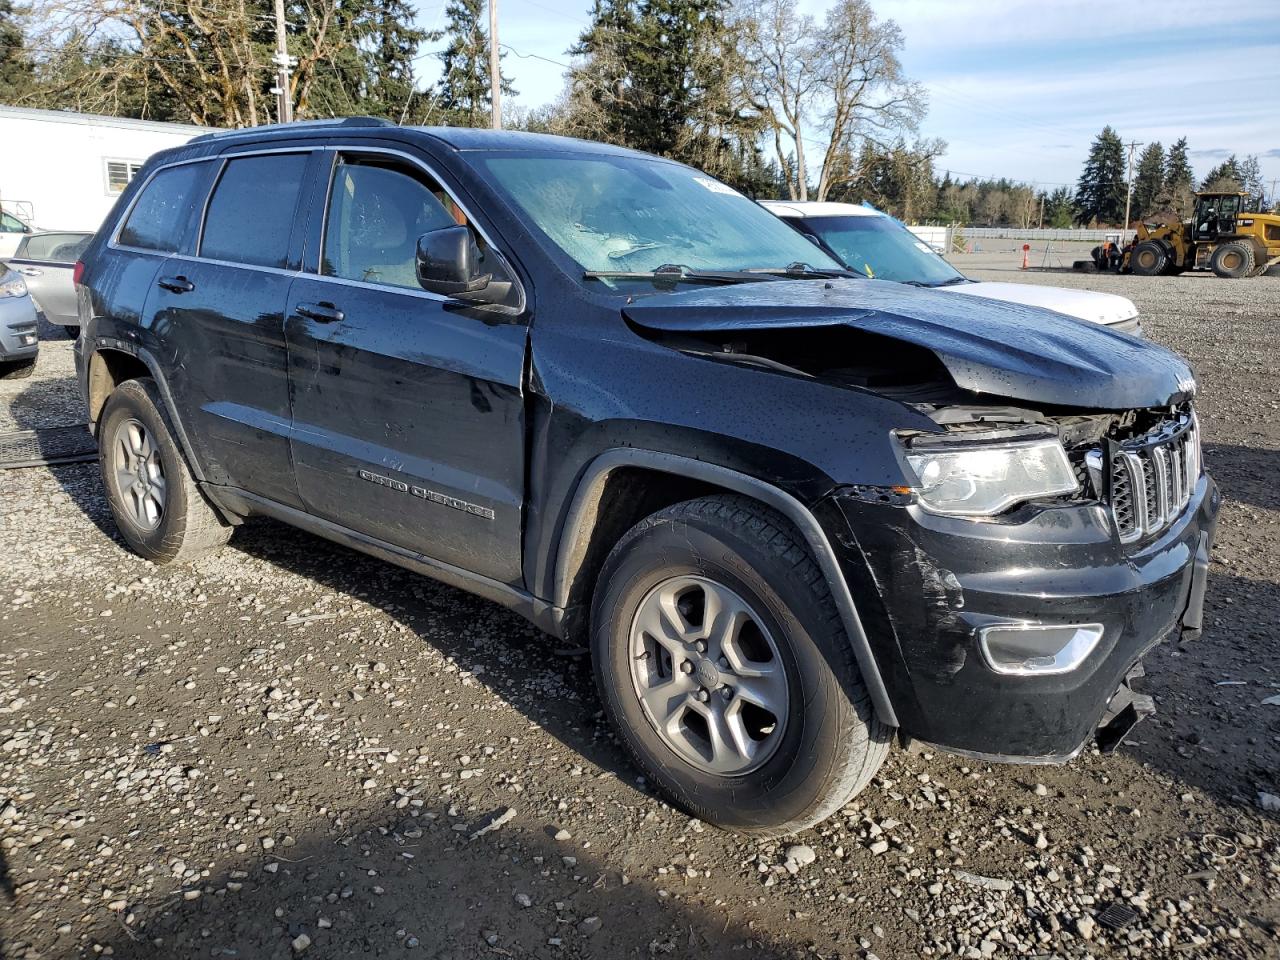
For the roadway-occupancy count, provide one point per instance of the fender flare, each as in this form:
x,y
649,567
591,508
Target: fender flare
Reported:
x,y
153,367
577,526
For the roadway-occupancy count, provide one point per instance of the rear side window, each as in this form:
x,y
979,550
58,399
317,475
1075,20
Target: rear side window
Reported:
x,y
160,217
55,247
252,211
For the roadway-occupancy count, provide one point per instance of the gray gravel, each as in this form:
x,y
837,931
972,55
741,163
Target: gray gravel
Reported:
x,y
291,750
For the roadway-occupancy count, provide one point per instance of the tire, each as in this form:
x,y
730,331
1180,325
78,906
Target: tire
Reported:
x,y
164,516
17,370
1234,260
824,742
1148,259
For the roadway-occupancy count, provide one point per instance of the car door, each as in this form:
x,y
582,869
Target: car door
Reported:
x,y
219,313
47,261
408,409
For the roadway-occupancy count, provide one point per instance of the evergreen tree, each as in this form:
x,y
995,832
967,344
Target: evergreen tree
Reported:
x,y
1100,192
15,68
1148,182
464,81
1225,177
1254,185
1179,180
1059,209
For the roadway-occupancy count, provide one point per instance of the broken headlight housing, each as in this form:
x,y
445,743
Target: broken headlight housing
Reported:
x,y
976,478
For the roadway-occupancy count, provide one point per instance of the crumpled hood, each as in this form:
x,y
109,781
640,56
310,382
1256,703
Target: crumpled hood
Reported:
x,y
1004,350
1104,308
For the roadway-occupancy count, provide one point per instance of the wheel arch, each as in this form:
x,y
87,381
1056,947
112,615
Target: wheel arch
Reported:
x,y
111,364
598,516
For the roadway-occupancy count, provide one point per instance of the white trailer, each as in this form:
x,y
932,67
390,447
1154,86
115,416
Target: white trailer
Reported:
x,y
63,171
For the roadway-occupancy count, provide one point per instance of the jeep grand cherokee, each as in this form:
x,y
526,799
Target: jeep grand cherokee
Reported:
x,y
792,513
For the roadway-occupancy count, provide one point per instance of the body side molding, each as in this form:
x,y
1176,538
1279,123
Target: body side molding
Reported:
x,y
576,530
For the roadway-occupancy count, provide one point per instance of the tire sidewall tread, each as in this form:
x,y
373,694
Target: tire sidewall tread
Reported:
x,y
189,527
832,744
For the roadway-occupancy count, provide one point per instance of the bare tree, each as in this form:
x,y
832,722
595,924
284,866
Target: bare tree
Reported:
x,y
834,85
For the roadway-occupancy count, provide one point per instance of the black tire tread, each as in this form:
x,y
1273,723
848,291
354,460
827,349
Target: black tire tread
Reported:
x,y
865,738
17,369
198,531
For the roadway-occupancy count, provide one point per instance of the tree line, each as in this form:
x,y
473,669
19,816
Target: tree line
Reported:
x,y
773,101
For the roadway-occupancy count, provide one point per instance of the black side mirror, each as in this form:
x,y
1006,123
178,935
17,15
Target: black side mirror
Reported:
x,y
449,262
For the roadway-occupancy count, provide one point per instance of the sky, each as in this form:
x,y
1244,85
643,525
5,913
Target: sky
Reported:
x,y
1019,88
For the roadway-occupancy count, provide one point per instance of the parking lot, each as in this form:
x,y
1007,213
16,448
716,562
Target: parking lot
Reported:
x,y
290,749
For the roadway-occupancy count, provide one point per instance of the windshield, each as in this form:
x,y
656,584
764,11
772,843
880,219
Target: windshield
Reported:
x,y
882,248
630,214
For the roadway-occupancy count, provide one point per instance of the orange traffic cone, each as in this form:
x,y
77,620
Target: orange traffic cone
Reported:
x,y
1026,250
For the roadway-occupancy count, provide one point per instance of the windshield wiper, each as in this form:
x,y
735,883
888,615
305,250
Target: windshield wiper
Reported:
x,y
801,271
670,274
951,281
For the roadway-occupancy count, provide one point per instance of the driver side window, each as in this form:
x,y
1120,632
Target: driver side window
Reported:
x,y
377,210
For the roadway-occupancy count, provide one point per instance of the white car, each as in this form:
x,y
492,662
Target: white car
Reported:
x,y
12,232
870,242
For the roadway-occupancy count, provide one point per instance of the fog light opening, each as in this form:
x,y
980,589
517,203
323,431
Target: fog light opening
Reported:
x,y
1038,649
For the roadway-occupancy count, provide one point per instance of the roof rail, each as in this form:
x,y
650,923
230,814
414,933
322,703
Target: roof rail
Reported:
x,y
297,125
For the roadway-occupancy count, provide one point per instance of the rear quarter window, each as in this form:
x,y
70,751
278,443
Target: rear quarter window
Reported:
x,y
159,219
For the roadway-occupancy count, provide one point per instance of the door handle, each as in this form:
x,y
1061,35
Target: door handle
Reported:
x,y
176,284
30,272
323,312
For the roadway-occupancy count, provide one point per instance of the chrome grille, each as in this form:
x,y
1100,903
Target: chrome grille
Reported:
x,y
1151,478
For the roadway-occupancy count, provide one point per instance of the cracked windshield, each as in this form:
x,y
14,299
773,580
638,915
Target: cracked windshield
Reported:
x,y
626,215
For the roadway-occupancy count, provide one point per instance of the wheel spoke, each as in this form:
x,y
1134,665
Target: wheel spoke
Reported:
x,y
728,753
708,675
769,693
137,439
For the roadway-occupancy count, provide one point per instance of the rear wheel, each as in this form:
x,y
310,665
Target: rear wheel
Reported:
x,y
726,670
158,508
1233,260
1148,259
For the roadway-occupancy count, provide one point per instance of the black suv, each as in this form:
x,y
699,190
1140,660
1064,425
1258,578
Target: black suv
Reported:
x,y
791,511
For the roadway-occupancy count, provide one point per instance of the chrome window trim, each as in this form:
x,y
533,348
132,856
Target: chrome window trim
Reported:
x,y
222,160
279,271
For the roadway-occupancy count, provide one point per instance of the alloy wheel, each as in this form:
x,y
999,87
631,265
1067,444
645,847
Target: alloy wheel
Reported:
x,y
708,675
139,474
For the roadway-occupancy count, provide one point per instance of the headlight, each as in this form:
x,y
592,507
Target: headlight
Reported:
x,y
13,286
978,480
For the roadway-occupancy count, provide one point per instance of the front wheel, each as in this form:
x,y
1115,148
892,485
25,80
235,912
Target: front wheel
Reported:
x,y
724,665
17,369
1148,259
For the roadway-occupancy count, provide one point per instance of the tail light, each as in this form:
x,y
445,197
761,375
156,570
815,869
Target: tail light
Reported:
x,y
77,274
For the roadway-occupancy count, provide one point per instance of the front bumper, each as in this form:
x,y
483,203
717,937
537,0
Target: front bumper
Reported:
x,y
927,585
19,339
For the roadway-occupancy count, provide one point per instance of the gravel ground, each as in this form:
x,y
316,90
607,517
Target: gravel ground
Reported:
x,y
290,749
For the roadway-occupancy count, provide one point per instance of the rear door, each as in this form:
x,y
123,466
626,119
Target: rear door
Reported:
x,y
408,407
47,261
219,313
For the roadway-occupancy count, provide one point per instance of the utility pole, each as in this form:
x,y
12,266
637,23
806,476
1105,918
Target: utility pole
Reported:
x,y
495,68
283,62
1128,194
1041,211
1274,181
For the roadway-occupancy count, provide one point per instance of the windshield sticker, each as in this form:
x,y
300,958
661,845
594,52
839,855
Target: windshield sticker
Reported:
x,y
716,187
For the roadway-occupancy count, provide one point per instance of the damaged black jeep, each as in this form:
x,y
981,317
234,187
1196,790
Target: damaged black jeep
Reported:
x,y
792,512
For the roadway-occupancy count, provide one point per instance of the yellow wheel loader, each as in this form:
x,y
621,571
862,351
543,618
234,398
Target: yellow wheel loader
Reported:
x,y
1222,236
